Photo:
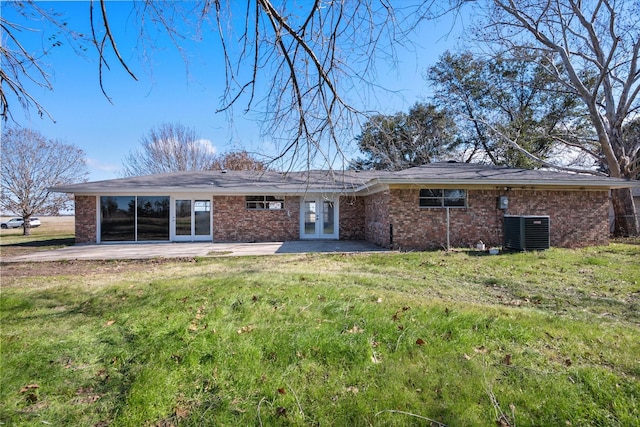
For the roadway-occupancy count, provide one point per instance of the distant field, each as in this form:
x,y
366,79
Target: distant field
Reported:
x,y
60,222
55,232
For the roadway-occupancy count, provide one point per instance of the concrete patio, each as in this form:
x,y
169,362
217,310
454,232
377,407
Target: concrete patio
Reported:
x,y
179,250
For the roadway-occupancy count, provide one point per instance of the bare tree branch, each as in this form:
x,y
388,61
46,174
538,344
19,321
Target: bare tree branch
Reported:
x,y
169,147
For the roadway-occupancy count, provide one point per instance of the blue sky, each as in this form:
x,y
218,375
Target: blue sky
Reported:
x,y
170,90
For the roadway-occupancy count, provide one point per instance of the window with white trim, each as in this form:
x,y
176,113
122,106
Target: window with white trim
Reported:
x,y
265,202
436,198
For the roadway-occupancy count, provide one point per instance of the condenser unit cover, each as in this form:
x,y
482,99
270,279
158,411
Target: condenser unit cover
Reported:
x,y
526,232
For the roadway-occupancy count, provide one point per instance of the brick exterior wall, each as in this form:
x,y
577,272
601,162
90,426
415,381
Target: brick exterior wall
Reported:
x,y
352,224
233,222
377,219
577,218
85,220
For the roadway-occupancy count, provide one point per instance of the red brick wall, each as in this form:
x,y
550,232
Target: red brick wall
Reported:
x,y
233,222
578,218
376,216
351,218
85,220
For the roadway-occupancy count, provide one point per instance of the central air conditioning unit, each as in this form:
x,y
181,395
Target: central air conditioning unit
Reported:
x,y
526,233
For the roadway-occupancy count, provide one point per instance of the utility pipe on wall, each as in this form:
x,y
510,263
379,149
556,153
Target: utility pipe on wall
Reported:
x,y
448,239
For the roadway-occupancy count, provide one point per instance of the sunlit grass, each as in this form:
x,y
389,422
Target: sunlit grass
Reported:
x,y
548,338
55,232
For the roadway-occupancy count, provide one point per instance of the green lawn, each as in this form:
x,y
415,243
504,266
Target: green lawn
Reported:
x,y
548,338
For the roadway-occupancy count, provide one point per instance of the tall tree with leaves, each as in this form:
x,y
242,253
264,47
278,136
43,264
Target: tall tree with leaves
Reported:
x,y
31,164
169,147
508,96
405,140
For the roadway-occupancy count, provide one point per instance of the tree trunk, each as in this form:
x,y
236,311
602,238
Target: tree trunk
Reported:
x,y
26,226
624,210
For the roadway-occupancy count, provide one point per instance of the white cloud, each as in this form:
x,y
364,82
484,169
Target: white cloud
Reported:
x,y
97,165
207,145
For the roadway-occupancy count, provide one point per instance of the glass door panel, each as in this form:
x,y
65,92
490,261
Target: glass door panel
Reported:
x,y
310,217
202,212
328,218
183,217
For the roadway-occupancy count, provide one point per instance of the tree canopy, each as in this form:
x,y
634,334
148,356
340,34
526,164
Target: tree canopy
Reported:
x,y
510,97
403,140
298,65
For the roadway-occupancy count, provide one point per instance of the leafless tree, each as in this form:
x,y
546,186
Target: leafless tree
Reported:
x,y
238,161
595,51
31,164
169,147
302,67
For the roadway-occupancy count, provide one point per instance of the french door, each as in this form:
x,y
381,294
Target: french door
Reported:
x,y
191,220
319,218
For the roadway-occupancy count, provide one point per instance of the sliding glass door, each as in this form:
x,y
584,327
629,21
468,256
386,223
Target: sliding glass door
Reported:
x,y
134,218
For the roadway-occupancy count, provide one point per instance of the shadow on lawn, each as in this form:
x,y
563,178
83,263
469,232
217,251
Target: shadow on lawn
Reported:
x,y
70,241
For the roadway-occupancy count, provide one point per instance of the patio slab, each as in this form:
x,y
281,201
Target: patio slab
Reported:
x,y
180,250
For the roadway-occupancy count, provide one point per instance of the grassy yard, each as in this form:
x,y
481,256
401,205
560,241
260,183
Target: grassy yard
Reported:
x,y
456,339
55,232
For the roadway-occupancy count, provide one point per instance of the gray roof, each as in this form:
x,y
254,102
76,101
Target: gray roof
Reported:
x,y
250,182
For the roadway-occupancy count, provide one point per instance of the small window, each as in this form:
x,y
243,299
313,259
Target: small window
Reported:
x,y
265,202
430,198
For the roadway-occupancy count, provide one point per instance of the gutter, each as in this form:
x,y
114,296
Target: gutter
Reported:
x,y
372,186
609,183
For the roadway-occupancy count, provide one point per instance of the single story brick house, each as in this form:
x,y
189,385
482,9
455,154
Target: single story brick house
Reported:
x,y
418,208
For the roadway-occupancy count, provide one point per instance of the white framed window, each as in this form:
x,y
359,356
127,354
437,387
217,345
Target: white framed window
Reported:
x,y
439,198
265,202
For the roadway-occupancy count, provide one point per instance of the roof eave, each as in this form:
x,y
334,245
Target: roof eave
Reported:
x,y
466,182
251,190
